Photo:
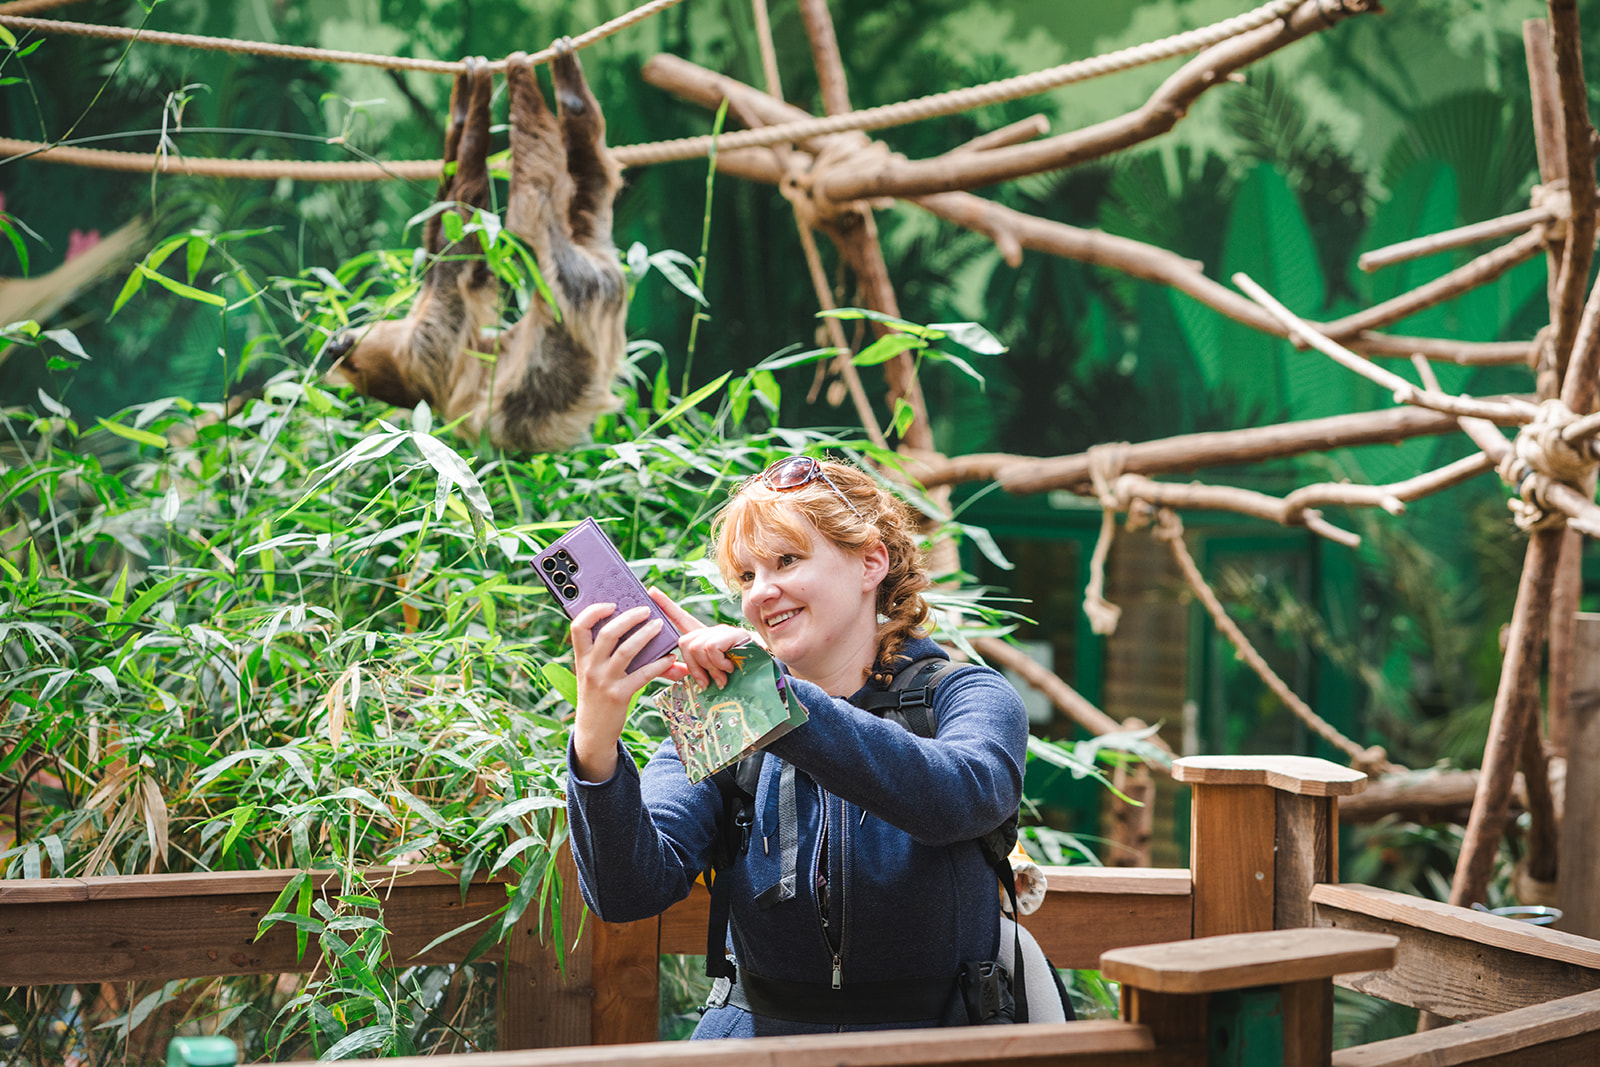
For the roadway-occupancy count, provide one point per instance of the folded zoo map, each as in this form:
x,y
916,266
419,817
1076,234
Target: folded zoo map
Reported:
x,y
715,727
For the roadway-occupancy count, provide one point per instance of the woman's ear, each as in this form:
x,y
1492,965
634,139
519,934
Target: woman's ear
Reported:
x,y
875,566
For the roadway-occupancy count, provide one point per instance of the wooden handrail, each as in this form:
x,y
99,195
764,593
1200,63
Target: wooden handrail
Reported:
x,y
1565,1031
1097,1042
1458,962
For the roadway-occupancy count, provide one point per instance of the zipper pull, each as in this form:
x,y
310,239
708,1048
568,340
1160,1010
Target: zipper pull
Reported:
x,y
838,967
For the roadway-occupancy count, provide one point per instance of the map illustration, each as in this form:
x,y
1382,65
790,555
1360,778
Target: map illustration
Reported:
x,y
715,727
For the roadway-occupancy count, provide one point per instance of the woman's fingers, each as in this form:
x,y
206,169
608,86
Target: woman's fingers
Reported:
x,y
679,618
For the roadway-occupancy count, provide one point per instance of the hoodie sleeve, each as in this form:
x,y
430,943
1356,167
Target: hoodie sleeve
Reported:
x,y
635,856
940,790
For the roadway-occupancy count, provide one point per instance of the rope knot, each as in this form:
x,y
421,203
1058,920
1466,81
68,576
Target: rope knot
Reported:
x,y
1555,196
803,178
1541,455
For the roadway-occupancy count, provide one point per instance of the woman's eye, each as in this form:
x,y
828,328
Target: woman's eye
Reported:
x,y
746,578
787,560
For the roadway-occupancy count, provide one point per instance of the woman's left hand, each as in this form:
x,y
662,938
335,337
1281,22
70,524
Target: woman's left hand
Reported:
x,y
703,649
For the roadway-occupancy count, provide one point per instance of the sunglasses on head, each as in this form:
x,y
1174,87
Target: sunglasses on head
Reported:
x,y
798,471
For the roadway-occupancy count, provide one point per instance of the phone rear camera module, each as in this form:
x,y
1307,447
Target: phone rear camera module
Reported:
x,y
569,591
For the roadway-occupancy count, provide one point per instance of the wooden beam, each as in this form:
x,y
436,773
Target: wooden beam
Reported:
x,y
1086,911
1554,1034
1097,1042
1578,877
1262,826
160,927
1242,961
1456,962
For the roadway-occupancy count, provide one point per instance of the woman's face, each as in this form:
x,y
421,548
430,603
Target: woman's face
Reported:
x,y
814,605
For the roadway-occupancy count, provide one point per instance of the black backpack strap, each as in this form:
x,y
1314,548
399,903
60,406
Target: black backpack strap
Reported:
x,y
909,698
737,784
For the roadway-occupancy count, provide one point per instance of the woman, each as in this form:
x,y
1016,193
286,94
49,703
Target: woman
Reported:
x,y
863,891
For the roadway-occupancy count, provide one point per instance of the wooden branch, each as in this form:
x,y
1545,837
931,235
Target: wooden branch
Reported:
x,y
1228,498
825,56
1015,133
1046,681
1170,102
1189,452
1510,413
1480,271
1516,702
1429,796
1417,247
1013,231
1543,833
1576,134
1465,353
1565,602
1578,390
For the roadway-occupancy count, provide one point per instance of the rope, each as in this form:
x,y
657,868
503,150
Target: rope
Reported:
x,y
323,55
658,151
877,118
145,162
1105,467
1372,760
1541,455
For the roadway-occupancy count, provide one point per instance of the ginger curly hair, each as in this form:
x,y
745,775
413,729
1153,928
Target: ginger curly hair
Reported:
x,y
758,519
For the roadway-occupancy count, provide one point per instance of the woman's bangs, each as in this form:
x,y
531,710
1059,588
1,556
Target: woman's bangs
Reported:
x,y
758,523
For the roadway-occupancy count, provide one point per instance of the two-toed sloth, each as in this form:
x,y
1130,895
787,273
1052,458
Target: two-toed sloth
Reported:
x,y
538,384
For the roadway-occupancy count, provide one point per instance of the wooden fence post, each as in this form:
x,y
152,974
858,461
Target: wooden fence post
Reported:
x,y
1263,831
545,1001
1578,876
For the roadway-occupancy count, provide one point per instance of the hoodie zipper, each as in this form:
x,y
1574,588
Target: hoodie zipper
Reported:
x,y
823,885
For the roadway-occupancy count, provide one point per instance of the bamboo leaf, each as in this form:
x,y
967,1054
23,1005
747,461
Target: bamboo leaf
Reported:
x,y
188,292
143,437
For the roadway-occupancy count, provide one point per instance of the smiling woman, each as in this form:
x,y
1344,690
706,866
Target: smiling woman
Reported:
x,y
855,816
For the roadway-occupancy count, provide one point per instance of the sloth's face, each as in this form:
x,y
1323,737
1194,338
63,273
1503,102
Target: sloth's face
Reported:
x,y
368,360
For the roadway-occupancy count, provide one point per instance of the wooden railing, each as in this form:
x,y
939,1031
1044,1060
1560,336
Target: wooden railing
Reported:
x,y
1242,947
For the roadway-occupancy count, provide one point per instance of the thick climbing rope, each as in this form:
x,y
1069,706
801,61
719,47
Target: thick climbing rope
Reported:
x,y
957,100
324,55
28,7
654,152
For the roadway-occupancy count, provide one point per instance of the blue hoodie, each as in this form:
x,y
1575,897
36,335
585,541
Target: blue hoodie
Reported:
x,y
891,883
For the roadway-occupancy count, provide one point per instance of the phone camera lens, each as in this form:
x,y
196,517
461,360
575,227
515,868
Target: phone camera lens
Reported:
x,y
569,591
562,553
572,565
548,563
560,577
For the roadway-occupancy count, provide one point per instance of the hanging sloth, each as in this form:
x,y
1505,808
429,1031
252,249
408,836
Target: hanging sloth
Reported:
x,y
547,378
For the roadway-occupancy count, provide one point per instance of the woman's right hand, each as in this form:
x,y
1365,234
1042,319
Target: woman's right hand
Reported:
x,y
605,686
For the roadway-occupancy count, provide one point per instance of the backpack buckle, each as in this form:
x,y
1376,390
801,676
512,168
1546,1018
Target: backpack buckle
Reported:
x,y
917,698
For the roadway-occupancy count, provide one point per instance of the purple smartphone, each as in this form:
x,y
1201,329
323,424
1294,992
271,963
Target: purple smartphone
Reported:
x,y
583,567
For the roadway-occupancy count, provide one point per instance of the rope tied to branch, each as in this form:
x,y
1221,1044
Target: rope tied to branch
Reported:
x,y
1541,455
803,172
1555,196
1105,467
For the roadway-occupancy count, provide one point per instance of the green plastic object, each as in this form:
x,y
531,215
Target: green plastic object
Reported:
x,y
1247,1028
202,1052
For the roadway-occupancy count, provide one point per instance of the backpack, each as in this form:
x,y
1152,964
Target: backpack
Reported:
x,y
907,701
